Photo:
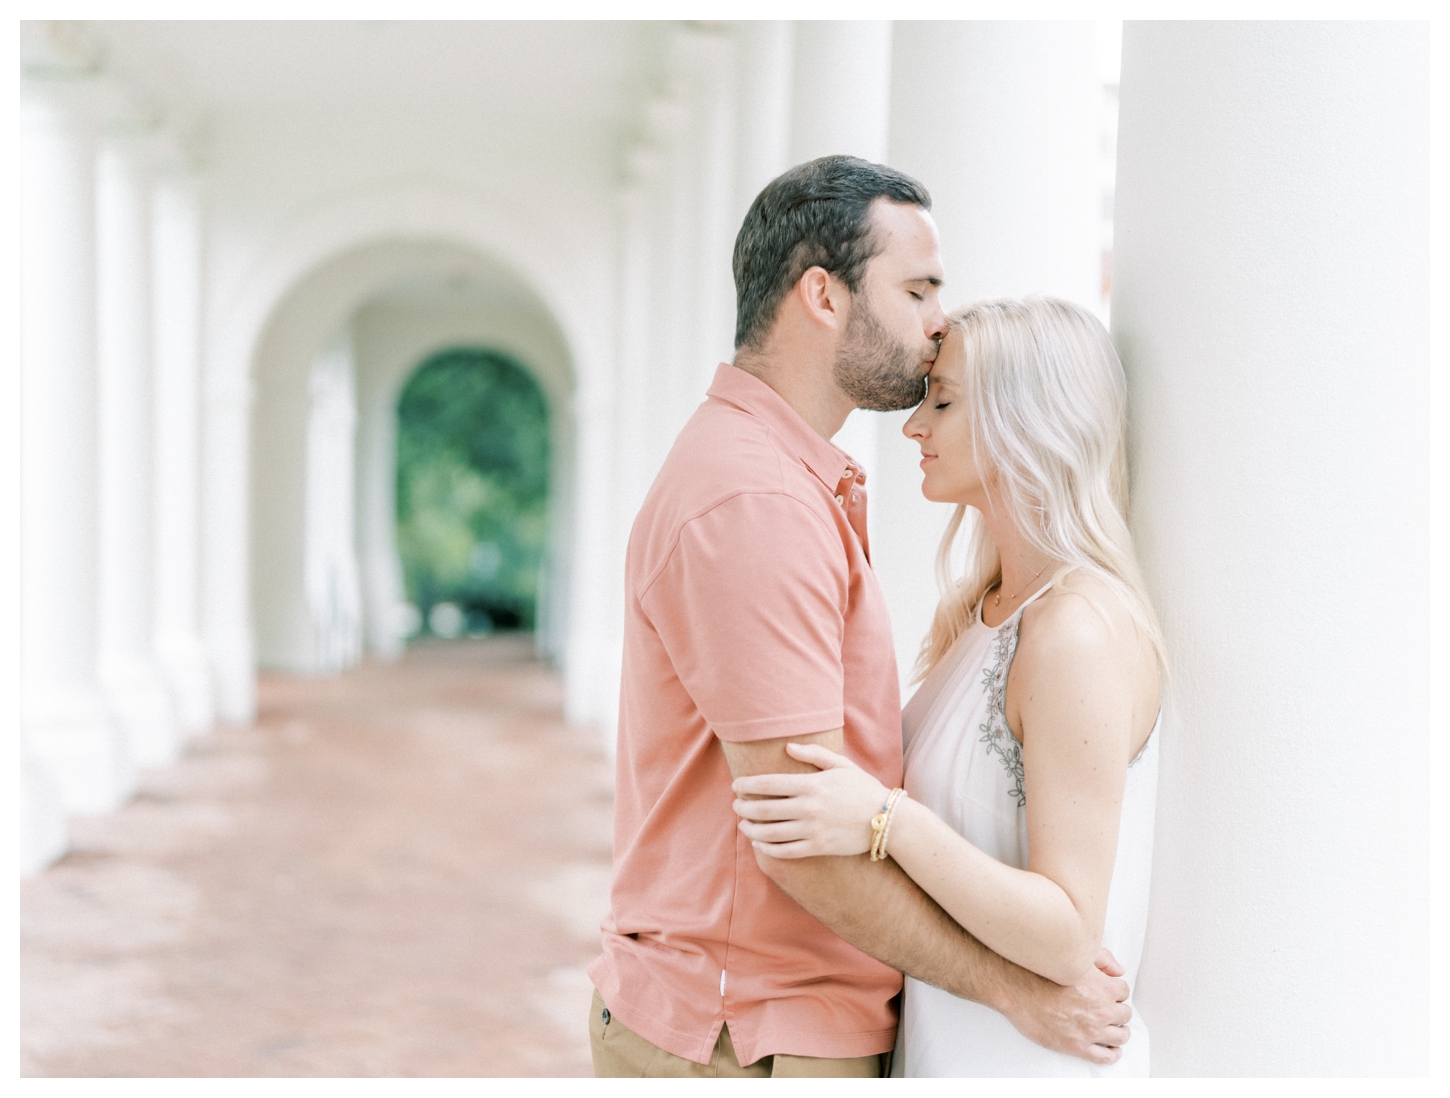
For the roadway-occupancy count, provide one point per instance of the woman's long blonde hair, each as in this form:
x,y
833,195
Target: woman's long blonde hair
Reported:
x,y
1048,407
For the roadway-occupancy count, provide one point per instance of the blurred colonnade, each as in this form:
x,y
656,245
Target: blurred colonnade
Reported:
x,y
238,239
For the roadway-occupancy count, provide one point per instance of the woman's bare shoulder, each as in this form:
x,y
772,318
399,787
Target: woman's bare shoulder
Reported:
x,y
1082,617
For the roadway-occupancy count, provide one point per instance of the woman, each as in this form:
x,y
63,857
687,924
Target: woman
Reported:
x,y
1031,763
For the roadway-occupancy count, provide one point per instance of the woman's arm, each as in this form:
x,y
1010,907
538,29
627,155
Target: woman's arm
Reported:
x,y
1073,688
878,910
1072,683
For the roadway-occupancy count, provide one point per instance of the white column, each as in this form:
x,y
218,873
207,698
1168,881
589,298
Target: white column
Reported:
x,y
840,103
177,270
377,511
669,225
676,375
1273,304
690,144
330,572
566,562
1000,121
130,674
595,587
764,66
40,817
225,517
642,430
65,720
40,821
710,60
226,608
841,88
634,331
633,469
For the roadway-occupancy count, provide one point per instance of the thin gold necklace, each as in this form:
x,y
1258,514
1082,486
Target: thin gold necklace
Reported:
x,y
998,600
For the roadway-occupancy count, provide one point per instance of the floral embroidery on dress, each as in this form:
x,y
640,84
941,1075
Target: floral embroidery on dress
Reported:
x,y
996,733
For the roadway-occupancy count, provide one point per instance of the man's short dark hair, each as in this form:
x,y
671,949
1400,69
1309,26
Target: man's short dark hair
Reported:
x,y
815,215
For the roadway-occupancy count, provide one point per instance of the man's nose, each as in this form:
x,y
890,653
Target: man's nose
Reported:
x,y
936,334
938,328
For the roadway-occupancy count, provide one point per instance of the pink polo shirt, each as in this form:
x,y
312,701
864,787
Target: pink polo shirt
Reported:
x,y
751,612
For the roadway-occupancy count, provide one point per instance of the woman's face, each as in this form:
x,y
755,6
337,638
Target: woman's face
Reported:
x,y
941,426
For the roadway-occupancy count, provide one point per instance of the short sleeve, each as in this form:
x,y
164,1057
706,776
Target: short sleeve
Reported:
x,y
750,608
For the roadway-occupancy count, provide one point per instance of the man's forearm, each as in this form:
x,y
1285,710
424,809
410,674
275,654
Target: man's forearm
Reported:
x,y
881,911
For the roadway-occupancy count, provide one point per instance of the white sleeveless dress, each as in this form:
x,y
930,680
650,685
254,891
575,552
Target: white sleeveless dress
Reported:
x,y
963,763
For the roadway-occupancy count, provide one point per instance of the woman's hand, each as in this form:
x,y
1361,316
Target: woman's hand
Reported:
x,y
807,815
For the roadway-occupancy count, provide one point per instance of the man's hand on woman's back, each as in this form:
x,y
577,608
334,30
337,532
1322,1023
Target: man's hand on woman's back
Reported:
x,y
1088,1019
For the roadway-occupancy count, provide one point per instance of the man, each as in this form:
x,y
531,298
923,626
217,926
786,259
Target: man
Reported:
x,y
753,619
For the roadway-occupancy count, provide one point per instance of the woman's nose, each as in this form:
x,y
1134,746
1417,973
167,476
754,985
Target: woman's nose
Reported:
x,y
913,429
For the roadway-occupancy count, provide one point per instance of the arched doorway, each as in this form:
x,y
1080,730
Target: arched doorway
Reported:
x,y
472,493
383,307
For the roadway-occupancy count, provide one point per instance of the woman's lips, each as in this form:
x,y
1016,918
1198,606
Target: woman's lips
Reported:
x,y
925,458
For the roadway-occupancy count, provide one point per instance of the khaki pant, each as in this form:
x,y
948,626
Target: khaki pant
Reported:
x,y
620,1053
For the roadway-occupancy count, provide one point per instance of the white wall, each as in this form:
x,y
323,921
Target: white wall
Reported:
x,y
1272,303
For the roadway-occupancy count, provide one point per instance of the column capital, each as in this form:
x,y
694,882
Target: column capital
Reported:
x,y
61,62
62,103
70,88
59,49
66,81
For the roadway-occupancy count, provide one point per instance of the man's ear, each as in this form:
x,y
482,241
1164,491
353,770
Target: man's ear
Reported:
x,y
823,297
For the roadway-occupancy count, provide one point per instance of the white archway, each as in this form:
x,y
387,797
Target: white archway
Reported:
x,y
399,289
319,271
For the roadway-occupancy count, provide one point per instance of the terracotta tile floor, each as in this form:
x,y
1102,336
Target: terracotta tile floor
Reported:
x,y
396,872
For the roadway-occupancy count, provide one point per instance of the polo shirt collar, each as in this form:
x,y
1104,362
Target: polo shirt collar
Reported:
x,y
747,392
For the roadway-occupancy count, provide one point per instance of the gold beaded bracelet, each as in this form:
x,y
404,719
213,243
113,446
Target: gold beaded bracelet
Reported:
x,y
881,824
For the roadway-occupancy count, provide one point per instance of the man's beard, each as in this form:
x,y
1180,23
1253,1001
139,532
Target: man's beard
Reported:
x,y
872,369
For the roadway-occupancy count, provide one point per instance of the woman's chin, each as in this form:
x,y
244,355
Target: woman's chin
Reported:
x,y
939,495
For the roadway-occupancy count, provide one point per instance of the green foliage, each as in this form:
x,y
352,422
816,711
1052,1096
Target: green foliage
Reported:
x,y
473,485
